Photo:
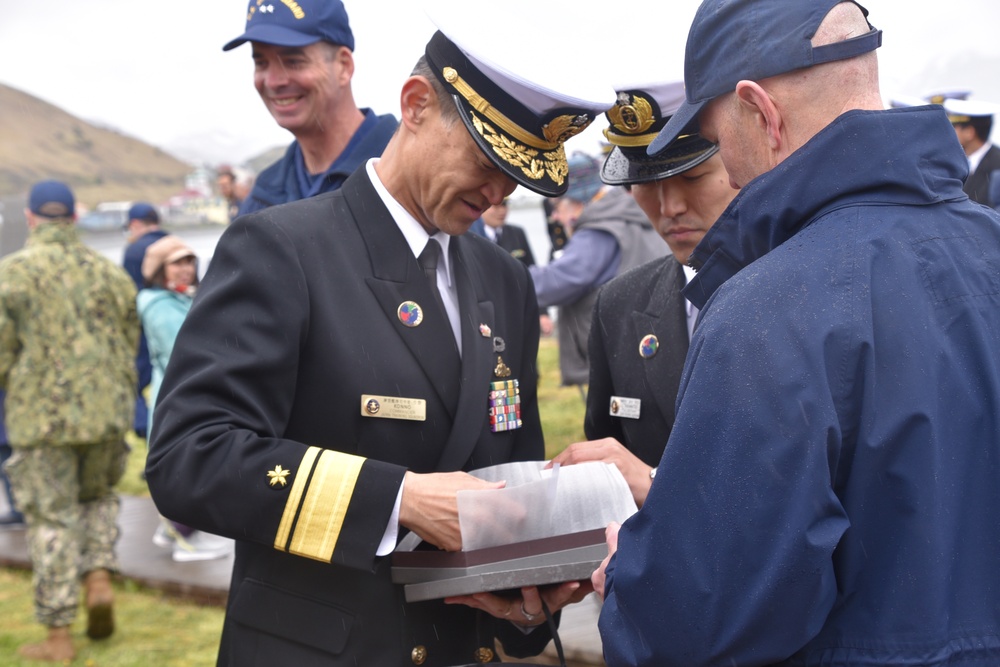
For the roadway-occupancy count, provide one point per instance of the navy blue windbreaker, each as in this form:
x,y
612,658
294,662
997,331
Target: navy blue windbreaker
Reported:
x,y
830,491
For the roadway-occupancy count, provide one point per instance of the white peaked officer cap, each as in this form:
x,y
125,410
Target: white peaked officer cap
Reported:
x,y
961,111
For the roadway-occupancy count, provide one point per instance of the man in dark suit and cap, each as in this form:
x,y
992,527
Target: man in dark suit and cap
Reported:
x,y
642,323
973,122
337,375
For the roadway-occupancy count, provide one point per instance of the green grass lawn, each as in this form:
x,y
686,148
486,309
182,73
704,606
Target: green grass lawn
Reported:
x,y
156,631
152,630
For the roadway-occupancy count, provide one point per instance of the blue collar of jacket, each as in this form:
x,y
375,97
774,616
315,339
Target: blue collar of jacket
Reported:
x,y
905,156
279,184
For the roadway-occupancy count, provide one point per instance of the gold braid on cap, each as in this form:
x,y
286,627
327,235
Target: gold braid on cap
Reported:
x,y
526,159
556,131
628,142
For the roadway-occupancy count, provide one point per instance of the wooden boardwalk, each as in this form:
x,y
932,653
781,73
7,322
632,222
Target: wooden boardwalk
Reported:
x,y
208,581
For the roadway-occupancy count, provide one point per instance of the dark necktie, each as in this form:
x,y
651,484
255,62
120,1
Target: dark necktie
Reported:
x,y
499,234
429,261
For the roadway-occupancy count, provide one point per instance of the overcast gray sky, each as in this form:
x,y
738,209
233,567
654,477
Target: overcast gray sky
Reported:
x,y
156,71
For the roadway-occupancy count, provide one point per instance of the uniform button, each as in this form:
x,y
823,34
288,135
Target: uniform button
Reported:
x,y
484,654
418,655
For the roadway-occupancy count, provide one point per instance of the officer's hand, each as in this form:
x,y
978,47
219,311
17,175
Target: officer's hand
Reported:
x,y
430,507
598,577
609,450
527,609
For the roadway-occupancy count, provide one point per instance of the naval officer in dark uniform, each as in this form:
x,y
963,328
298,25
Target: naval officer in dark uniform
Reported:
x,y
642,323
493,225
973,122
346,358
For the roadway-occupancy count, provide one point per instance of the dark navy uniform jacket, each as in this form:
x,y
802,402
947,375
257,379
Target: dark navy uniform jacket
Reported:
x,y
645,301
979,183
262,433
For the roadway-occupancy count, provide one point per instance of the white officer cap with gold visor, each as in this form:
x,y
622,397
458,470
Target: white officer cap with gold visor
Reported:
x,y
638,115
519,122
963,111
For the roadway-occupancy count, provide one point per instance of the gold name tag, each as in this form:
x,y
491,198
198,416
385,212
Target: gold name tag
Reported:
x,y
393,407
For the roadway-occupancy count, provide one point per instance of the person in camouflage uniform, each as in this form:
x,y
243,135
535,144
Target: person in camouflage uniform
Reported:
x,y
68,338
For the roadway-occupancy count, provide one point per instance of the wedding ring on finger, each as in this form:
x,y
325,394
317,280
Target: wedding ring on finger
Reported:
x,y
528,617
509,605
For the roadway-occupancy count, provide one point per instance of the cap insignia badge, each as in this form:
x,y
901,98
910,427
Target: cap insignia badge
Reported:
x,y
278,476
631,114
561,128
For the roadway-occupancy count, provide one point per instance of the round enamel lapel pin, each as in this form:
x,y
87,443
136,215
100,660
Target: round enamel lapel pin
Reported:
x,y
410,313
648,346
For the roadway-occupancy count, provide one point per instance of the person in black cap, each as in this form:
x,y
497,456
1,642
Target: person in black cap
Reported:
x,y
332,380
828,494
68,334
142,230
973,122
641,322
303,64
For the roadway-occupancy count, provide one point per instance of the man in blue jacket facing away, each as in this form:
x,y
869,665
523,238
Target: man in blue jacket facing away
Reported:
x,y
303,65
829,492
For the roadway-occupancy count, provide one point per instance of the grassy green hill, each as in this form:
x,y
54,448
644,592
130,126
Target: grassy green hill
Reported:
x,y
39,141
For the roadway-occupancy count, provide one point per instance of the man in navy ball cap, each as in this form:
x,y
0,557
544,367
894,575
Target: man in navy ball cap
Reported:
x,y
142,229
68,332
52,199
828,494
303,65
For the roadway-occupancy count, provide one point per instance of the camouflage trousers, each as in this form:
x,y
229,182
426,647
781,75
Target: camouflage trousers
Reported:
x,y
71,512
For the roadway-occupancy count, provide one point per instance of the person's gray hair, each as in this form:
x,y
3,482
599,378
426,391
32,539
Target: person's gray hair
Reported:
x,y
446,103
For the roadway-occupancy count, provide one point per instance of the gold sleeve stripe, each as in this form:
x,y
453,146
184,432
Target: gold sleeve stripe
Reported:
x,y
325,505
294,498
